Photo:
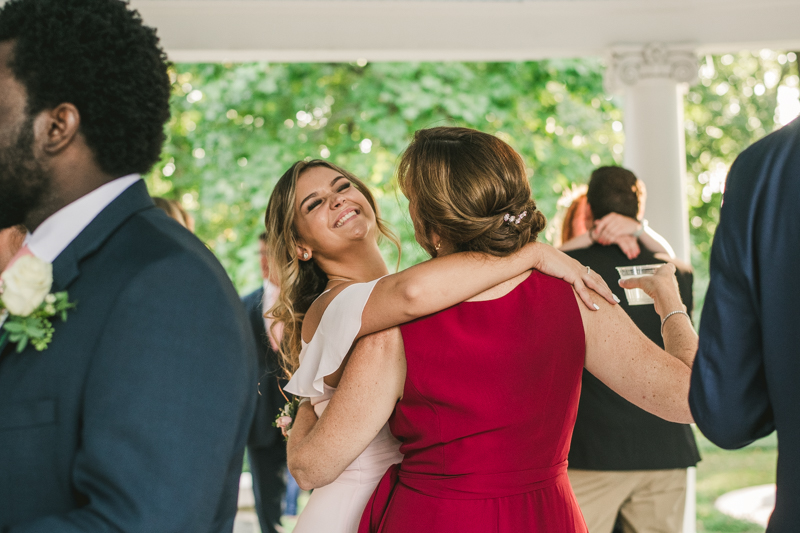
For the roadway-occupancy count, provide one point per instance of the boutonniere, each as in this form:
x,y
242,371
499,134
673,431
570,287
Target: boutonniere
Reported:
x,y
286,416
28,305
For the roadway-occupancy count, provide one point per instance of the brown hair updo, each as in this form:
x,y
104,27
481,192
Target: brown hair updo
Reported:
x,y
462,183
299,282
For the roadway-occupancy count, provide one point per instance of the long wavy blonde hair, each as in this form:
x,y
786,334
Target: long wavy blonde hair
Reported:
x,y
299,282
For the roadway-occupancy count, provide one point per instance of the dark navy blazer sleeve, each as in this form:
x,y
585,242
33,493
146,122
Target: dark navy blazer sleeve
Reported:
x,y
747,331
173,363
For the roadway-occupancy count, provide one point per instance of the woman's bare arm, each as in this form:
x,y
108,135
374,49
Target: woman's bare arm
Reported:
x,y
372,383
443,282
680,338
623,358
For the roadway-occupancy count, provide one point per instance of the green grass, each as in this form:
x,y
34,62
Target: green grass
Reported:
x,y
722,471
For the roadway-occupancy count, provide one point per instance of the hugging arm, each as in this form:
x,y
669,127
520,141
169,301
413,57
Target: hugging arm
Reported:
x,y
614,226
443,282
619,230
372,383
623,358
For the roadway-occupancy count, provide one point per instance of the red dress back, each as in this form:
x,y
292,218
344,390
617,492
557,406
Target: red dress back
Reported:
x,y
486,418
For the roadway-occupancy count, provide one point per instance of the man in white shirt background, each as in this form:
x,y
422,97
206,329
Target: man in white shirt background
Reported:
x,y
135,416
266,448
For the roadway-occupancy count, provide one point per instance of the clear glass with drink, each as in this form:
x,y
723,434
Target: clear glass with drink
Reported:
x,y
637,296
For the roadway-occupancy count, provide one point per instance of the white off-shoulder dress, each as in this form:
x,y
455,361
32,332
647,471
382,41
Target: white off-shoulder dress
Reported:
x,y
337,507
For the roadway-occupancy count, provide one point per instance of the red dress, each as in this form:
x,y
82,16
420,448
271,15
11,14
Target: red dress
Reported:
x,y
486,418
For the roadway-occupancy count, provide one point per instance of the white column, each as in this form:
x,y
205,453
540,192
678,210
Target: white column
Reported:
x,y
690,511
653,79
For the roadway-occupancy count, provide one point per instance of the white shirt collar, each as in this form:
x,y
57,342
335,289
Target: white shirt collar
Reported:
x,y
270,292
62,227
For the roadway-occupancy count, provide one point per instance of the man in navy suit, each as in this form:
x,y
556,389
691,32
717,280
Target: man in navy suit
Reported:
x,y
266,448
135,417
746,373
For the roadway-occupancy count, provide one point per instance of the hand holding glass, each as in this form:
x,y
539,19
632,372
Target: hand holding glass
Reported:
x,y
637,296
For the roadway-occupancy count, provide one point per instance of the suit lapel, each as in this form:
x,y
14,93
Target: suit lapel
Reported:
x,y
66,267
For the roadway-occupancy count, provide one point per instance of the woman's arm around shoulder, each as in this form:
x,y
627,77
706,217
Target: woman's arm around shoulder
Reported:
x,y
623,358
440,283
370,387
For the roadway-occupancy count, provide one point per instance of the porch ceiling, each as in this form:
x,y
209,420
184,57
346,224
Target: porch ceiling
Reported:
x,y
502,30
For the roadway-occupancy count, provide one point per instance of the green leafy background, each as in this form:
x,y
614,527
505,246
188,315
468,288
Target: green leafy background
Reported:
x,y
236,128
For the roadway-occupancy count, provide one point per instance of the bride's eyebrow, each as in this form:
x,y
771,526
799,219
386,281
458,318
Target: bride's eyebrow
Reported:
x,y
314,194
307,198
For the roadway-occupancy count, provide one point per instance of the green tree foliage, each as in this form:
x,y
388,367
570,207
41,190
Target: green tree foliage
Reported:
x,y
236,128
735,104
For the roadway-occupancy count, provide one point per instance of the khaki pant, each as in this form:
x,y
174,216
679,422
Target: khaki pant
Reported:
x,y
648,501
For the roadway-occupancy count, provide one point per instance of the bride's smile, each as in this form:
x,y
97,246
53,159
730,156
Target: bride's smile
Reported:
x,y
346,216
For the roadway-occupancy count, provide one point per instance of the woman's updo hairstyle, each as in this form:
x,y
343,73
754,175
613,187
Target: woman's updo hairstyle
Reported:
x,y
462,183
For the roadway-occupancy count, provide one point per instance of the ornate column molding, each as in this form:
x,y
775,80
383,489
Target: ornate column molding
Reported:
x,y
627,64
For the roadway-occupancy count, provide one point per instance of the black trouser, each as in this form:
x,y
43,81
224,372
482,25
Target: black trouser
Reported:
x,y
267,466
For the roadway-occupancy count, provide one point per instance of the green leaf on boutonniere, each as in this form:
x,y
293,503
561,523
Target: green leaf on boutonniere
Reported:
x,y
37,329
13,327
22,343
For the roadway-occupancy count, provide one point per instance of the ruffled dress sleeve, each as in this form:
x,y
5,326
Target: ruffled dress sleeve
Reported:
x,y
335,334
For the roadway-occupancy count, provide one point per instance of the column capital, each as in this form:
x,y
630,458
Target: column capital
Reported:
x,y
627,64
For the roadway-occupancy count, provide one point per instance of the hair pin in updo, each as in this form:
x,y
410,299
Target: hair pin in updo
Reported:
x,y
508,217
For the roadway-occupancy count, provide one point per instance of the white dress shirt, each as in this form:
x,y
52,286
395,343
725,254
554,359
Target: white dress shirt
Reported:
x,y
270,297
62,227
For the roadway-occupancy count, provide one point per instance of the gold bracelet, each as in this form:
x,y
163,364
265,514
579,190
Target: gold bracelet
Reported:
x,y
663,320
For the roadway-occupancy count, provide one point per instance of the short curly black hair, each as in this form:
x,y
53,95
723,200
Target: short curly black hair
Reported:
x,y
100,57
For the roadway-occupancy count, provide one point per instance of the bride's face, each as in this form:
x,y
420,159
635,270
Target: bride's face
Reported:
x,y
331,215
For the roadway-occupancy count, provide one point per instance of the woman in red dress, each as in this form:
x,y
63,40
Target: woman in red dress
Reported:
x,y
483,395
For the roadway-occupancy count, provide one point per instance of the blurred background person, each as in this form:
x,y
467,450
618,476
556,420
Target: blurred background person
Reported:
x,y
11,240
580,229
266,448
175,210
574,222
623,460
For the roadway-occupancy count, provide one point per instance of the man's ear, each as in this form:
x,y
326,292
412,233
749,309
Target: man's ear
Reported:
x,y
57,128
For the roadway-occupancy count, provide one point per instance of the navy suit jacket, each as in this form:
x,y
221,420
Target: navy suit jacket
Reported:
x,y
135,418
746,377
266,447
270,399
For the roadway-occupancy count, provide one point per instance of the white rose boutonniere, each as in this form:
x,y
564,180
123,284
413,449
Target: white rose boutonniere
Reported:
x,y
26,284
25,296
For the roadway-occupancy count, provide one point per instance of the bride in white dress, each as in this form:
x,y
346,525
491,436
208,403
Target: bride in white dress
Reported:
x,y
323,235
